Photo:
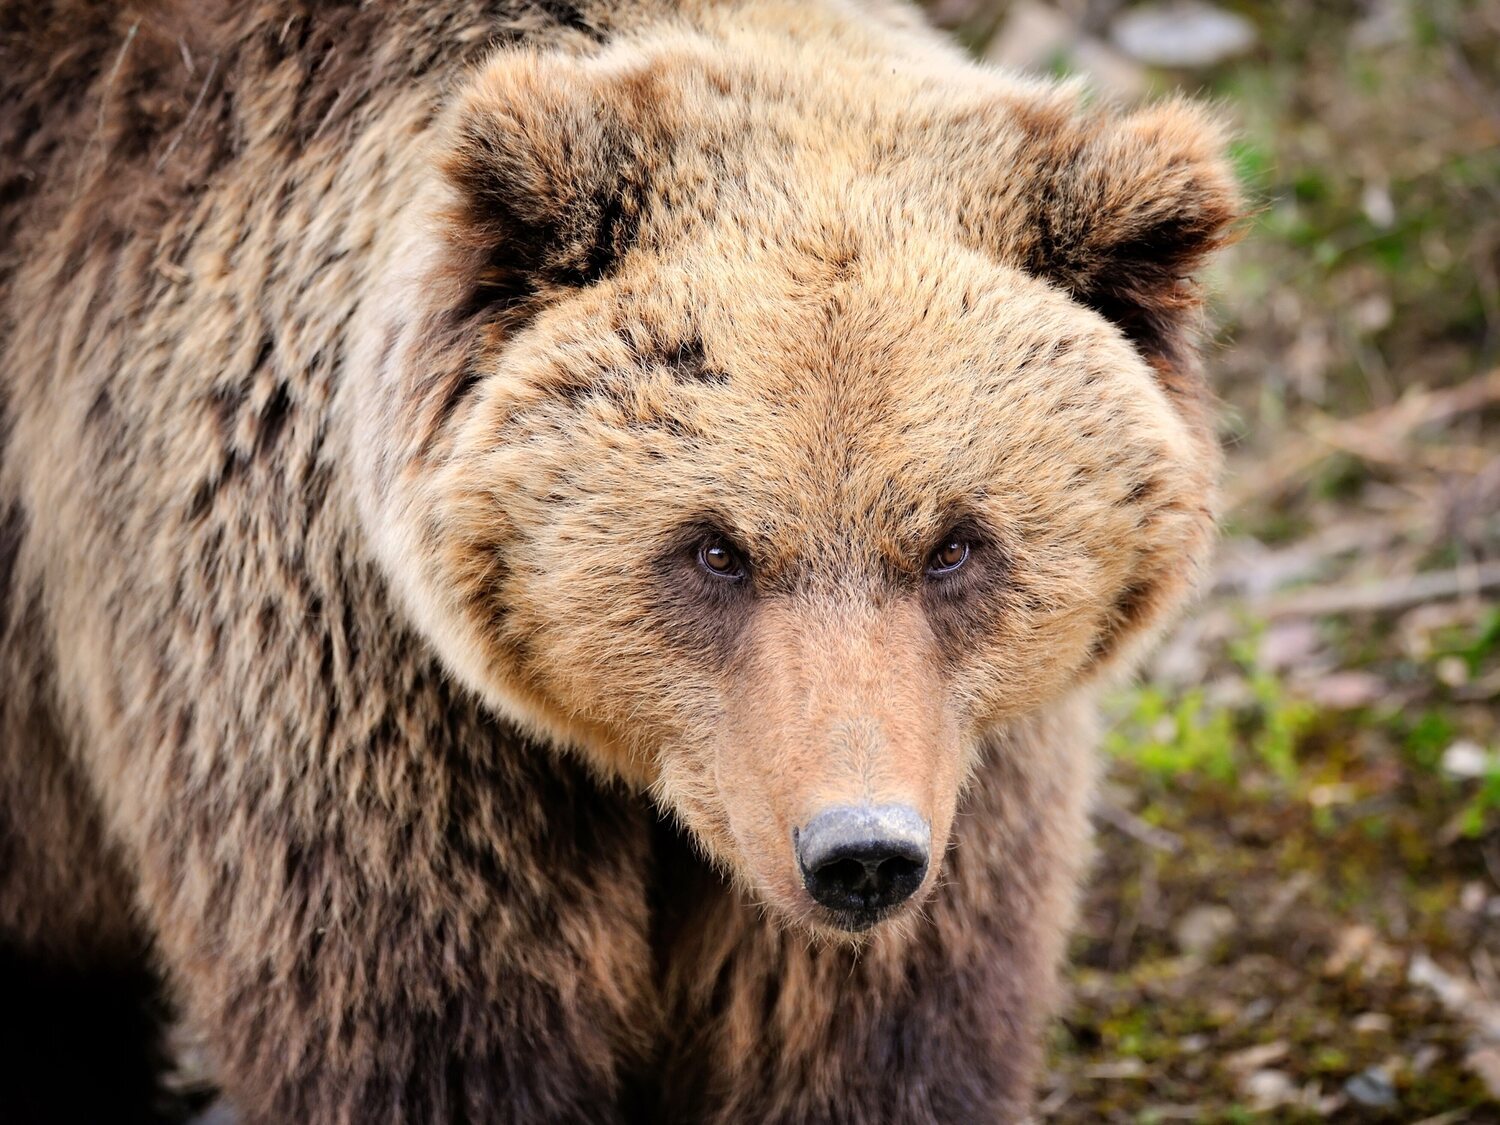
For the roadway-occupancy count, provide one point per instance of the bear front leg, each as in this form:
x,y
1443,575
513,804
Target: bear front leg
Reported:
x,y
939,1019
433,922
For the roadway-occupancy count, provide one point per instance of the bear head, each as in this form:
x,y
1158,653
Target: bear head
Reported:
x,y
770,429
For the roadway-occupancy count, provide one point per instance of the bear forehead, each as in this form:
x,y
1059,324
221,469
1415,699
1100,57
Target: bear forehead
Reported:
x,y
882,393
853,334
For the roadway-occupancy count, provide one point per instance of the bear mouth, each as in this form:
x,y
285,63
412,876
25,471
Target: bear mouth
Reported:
x,y
861,920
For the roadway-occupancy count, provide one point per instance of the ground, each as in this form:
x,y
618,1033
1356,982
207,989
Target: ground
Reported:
x,y
1295,914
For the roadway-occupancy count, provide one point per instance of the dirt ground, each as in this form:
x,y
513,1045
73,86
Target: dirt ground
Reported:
x,y
1295,913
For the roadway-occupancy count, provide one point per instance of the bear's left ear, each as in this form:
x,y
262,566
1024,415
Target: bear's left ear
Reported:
x,y
548,159
1122,211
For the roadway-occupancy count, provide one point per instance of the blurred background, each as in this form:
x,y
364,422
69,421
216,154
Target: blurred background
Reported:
x,y
1295,914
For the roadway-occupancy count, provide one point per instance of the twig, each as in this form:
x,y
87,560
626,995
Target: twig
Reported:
x,y
1251,569
1441,459
1459,996
1451,1117
1055,1100
1283,900
1366,434
1122,820
1393,593
1145,902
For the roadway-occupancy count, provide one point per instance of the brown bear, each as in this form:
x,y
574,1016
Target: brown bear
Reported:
x,y
556,558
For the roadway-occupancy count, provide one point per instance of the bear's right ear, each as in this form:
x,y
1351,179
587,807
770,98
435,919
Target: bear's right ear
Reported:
x,y
548,162
1126,210
1119,210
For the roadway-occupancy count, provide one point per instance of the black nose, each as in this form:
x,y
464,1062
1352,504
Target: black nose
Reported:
x,y
861,860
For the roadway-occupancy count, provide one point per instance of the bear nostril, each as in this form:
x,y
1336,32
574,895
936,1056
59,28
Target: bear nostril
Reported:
x,y
849,873
860,861
878,877
895,869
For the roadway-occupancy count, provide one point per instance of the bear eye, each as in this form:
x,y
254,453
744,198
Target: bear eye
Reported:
x,y
951,555
721,560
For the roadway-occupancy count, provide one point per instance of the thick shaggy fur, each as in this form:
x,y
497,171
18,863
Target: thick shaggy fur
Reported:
x,y
368,374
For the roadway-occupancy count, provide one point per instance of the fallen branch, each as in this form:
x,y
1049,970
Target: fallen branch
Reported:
x,y
1124,821
1373,436
1392,593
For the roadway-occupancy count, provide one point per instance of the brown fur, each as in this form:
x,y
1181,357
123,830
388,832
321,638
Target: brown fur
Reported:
x,y
368,376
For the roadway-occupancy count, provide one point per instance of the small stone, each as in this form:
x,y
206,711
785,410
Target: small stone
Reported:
x,y
1035,36
1371,1023
1253,1012
1465,759
951,13
1385,23
1375,201
1182,33
1202,928
1256,1058
1422,1061
1268,1089
1473,898
1347,691
1373,1088
1452,671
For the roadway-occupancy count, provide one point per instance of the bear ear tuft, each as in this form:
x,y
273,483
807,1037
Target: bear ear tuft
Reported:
x,y
548,166
1125,210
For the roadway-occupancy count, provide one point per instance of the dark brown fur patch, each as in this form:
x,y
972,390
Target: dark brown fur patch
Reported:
x,y
964,608
687,360
701,613
12,530
1143,490
1133,604
533,222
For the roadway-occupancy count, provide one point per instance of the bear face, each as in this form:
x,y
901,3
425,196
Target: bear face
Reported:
x,y
772,441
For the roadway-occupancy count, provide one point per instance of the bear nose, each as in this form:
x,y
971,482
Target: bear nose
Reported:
x,y
861,860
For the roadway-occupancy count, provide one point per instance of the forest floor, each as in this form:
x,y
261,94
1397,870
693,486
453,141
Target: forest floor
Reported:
x,y
1295,910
